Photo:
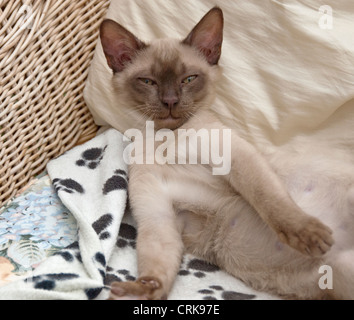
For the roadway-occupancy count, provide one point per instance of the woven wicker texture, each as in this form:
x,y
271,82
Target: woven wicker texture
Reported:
x,y
46,47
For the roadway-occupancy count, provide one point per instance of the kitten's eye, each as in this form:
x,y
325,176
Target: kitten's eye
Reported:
x,y
189,79
147,81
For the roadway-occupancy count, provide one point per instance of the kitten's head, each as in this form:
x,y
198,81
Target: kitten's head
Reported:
x,y
168,80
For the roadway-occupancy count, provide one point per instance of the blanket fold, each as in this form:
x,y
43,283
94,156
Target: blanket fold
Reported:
x,y
91,181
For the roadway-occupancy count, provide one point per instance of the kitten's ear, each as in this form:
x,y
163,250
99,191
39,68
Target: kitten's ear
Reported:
x,y
119,45
207,35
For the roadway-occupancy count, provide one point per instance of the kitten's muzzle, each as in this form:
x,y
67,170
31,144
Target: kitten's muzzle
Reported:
x,y
170,101
170,116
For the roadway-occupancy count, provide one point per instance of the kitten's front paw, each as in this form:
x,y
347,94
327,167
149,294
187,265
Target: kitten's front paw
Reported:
x,y
309,236
145,288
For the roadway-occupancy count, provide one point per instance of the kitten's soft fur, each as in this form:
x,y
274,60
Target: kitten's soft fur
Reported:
x,y
262,221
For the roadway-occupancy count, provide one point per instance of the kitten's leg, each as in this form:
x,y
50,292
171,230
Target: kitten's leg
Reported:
x,y
261,187
159,243
254,179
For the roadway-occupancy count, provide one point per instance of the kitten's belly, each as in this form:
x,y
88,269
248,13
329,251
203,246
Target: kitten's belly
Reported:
x,y
232,223
215,217
217,221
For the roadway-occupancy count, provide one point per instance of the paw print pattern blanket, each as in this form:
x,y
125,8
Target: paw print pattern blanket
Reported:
x,y
91,181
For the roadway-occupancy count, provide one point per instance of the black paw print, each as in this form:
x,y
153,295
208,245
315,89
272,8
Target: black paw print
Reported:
x,y
48,281
117,182
91,158
126,236
67,185
119,275
213,291
70,253
198,268
102,224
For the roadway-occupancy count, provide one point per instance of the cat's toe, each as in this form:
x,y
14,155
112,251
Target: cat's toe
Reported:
x,y
145,288
318,238
311,237
126,291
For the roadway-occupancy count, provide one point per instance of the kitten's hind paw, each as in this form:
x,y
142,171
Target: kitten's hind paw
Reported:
x,y
309,236
145,288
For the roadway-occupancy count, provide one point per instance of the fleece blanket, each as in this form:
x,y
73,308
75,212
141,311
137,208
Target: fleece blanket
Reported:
x,y
91,181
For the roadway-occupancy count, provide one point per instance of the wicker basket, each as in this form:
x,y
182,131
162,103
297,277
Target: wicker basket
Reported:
x,y
46,47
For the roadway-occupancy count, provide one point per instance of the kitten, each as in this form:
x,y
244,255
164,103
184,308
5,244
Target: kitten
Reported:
x,y
249,221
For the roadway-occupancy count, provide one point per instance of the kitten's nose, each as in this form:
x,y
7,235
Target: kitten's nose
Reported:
x,y
170,101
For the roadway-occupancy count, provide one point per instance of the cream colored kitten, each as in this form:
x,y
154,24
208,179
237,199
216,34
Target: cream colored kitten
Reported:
x,y
261,221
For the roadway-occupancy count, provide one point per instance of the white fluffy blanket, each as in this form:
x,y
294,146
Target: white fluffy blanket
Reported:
x,y
91,180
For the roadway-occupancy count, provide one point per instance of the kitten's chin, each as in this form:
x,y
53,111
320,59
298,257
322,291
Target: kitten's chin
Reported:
x,y
169,122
